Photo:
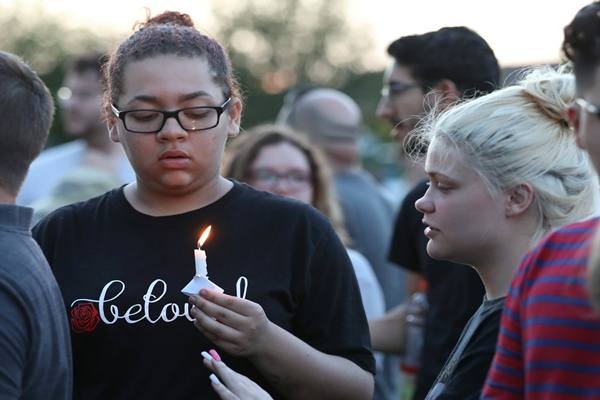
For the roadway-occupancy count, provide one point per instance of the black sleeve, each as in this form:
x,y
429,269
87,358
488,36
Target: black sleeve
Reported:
x,y
408,237
45,232
331,317
467,380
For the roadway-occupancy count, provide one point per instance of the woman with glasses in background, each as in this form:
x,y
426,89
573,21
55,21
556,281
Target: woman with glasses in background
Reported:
x,y
275,159
290,317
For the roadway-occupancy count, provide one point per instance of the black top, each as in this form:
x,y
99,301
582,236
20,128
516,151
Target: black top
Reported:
x,y
121,273
464,373
454,290
35,350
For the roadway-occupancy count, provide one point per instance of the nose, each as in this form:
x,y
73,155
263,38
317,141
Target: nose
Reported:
x,y
282,187
425,205
383,110
171,131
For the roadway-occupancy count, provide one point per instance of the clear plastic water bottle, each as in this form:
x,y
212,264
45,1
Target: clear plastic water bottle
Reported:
x,y
416,312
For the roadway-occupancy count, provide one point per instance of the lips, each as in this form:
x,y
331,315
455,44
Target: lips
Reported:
x,y
174,159
429,230
399,131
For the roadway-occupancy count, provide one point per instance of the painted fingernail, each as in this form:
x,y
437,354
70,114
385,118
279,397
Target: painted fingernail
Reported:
x,y
213,378
206,355
215,355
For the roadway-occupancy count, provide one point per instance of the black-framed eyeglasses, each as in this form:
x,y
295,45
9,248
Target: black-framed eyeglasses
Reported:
x,y
191,119
587,106
397,88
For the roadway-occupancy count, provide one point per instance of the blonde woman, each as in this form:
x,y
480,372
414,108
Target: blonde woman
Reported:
x,y
504,170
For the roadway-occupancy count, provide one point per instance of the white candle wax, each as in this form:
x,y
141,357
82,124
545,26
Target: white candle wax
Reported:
x,y
200,259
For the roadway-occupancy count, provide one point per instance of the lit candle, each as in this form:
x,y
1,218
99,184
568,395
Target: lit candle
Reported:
x,y
200,280
200,255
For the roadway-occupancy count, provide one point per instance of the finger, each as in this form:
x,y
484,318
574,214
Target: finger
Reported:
x,y
214,329
221,390
216,311
209,365
238,305
237,383
227,375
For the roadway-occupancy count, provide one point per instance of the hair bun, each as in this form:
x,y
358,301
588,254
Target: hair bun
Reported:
x,y
552,94
169,17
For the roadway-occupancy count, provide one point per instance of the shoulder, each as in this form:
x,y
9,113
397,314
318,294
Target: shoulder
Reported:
x,y
566,247
578,230
263,206
23,269
568,240
77,215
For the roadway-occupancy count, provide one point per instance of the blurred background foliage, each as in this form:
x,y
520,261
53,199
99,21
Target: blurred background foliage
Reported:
x,y
274,46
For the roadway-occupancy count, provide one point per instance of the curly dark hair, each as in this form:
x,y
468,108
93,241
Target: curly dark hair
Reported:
x,y
167,33
581,44
455,53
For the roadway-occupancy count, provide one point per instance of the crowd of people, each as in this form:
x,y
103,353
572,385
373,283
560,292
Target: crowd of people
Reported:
x,y
313,264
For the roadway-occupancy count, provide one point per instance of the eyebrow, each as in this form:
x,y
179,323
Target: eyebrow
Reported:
x,y
153,99
438,175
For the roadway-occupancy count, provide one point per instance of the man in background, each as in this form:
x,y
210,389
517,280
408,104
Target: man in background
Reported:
x,y
35,346
80,101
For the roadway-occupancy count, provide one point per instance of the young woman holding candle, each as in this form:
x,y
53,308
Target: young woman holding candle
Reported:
x,y
291,317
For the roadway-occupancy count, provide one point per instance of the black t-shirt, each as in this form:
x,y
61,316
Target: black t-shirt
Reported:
x,y
454,290
464,373
121,272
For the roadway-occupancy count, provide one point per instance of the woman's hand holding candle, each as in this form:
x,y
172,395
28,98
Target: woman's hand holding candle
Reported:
x,y
238,326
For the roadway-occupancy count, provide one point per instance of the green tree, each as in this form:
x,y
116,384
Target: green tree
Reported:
x,y
277,44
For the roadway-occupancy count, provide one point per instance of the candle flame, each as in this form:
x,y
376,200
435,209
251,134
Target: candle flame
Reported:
x,y
204,236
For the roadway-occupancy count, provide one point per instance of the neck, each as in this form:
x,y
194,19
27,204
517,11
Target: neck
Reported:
x,y
500,266
159,203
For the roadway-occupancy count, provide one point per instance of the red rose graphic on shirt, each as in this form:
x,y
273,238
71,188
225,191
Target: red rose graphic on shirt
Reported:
x,y
84,317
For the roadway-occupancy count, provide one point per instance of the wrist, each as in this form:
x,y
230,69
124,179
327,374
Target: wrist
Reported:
x,y
267,341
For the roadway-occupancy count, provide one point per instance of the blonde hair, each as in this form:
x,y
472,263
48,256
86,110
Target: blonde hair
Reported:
x,y
243,151
521,134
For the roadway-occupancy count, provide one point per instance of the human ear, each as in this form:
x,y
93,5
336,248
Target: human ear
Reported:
x,y
234,111
447,91
113,134
518,199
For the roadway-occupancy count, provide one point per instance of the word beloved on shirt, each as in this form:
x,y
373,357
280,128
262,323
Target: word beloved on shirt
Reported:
x,y
87,313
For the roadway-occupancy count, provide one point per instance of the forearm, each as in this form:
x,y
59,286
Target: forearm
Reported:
x,y
387,332
302,372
